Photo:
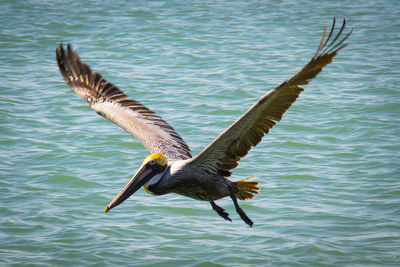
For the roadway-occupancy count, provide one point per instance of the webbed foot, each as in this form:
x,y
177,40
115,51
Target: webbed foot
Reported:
x,y
240,211
221,212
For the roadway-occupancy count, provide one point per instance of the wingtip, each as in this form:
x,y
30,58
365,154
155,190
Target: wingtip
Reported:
x,y
321,43
69,47
61,48
60,55
331,46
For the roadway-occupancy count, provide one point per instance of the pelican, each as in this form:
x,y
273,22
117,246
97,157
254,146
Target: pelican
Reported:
x,y
170,167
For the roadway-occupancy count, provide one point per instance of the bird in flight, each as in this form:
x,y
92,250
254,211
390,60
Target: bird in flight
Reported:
x,y
170,168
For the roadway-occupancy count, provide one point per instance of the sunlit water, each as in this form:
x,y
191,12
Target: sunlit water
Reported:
x,y
329,171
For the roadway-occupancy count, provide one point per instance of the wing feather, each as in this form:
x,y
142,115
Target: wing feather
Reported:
x,y
110,102
229,147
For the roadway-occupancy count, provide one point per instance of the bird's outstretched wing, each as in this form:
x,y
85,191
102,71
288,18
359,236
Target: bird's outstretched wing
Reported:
x,y
110,102
229,147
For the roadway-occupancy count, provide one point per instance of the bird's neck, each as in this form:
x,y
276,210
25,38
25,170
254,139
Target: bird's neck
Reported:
x,y
153,185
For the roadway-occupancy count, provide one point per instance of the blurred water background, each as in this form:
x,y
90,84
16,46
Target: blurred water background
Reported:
x,y
329,171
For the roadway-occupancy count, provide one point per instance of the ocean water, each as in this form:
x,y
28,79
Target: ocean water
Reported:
x,y
329,171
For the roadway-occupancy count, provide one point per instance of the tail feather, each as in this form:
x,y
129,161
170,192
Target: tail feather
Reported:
x,y
246,190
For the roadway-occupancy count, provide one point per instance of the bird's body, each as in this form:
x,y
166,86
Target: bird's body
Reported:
x,y
179,178
171,168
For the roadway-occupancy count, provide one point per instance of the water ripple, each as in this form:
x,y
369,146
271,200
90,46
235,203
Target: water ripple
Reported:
x,y
328,171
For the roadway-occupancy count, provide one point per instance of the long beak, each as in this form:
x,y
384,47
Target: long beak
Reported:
x,y
142,176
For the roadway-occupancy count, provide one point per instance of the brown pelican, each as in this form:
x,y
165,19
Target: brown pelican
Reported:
x,y
170,168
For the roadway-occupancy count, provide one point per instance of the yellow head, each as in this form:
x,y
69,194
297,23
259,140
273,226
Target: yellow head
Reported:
x,y
156,158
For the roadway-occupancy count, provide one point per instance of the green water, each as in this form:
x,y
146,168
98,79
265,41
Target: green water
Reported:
x,y
329,171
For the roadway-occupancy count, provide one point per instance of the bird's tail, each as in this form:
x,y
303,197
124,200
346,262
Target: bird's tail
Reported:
x,y
246,190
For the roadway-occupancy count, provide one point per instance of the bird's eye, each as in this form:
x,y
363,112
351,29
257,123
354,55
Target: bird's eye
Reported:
x,y
152,162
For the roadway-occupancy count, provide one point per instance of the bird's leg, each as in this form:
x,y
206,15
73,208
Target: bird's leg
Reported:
x,y
240,211
221,212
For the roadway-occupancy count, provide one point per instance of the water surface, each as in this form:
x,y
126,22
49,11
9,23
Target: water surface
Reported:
x,y
328,172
